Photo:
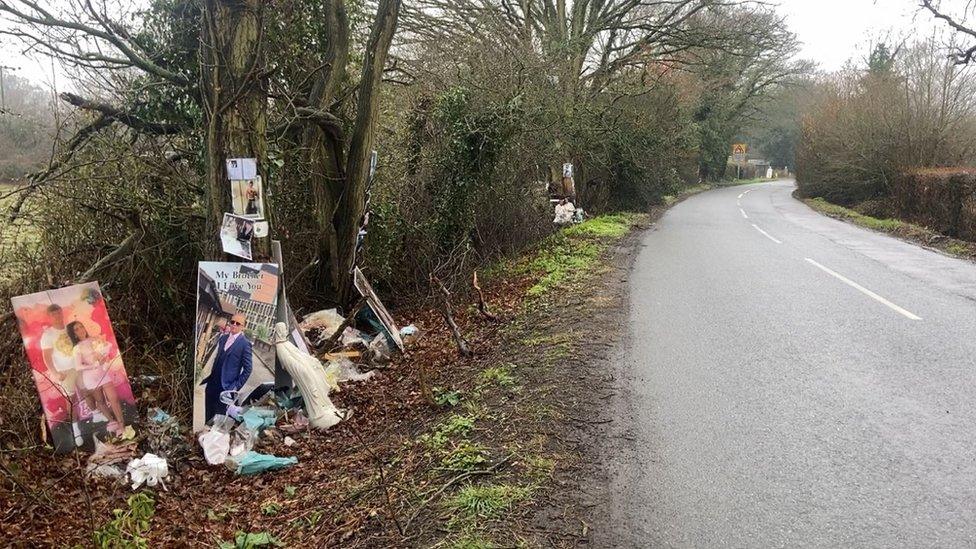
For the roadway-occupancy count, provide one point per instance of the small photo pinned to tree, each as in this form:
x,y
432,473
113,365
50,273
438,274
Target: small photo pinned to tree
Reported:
x,y
236,233
247,197
242,168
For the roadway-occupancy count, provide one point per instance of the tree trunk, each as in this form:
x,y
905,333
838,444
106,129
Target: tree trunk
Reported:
x,y
341,200
326,149
234,89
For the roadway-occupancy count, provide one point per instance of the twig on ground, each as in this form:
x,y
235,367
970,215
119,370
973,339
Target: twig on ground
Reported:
x,y
482,305
452,482
448,313
350,318
386,488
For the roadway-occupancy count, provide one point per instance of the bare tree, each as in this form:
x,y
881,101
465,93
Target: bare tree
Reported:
x,y
587,42
961,54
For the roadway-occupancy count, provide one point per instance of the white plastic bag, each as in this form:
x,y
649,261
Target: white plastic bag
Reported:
x,y
149,469
328,320
216,446
349,372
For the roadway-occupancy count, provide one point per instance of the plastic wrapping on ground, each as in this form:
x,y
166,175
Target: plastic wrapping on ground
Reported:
x,y
310,377
149,469
252,463
104,470
222,423
159,416
333,374
242,439
352,337
328,320
409,334
379,348
216,446
349,372
258,419
164,435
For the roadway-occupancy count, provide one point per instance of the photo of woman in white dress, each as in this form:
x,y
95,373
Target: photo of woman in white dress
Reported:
x,y
93,357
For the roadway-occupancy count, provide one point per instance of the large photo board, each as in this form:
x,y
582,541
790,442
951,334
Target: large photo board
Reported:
x,y
76,364
233,353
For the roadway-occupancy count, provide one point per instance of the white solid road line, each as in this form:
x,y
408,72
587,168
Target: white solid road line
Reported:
x,y
740,196
864,290
743,212
767,235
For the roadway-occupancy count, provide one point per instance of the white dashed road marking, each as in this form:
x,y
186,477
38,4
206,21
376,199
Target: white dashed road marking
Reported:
x,y
863,290
767,235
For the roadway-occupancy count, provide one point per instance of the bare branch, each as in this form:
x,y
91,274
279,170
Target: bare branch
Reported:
x,y
118,115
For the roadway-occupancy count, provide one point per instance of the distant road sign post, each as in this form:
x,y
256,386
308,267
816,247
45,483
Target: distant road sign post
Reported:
x,y
738,157
739,152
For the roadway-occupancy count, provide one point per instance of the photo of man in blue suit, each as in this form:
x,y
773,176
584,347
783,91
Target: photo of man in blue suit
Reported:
x,y
231,366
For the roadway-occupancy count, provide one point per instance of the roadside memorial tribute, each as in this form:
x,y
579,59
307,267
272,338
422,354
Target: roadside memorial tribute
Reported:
x,y
76,364
239,169
234,354
236,234
247,197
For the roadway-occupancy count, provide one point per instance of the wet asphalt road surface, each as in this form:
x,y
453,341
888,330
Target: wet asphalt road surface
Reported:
x,y
793,380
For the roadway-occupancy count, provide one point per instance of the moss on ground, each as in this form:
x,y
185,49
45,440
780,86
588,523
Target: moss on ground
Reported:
x,y
573,251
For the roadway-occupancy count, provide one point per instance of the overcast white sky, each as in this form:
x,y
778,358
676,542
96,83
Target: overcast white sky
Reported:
x,y
832,31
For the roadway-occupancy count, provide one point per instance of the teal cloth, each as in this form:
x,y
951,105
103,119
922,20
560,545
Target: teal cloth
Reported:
x,y
258,419
252,463
160,416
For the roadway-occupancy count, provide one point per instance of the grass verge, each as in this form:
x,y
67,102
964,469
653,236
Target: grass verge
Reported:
x,y
902,229
498,434
569,254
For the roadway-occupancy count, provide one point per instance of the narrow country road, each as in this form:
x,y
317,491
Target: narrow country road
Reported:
x,y
793,380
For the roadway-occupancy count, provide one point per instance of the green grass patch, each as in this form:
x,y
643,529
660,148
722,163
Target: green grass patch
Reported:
x,y
471,541
455,426
562,261
502,375
486,501
553,346
567,255
834,210
958,249
465,456
733,182
449,444
540,467
885,225
605,226
671,200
